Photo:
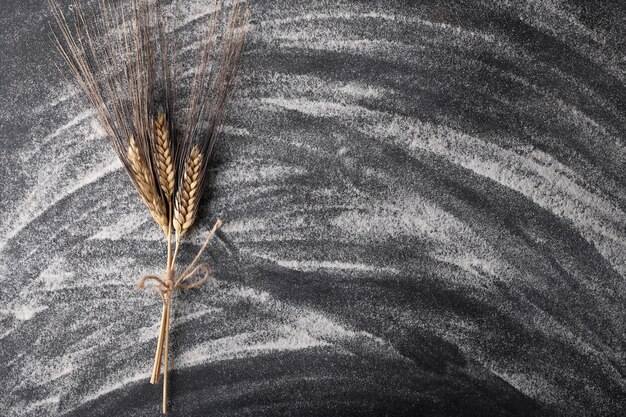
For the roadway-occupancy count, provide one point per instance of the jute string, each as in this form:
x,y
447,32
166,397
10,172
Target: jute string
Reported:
x,y
172,281
165,286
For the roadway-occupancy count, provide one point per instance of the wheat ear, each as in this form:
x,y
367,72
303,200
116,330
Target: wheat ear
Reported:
x,y
186,206
165,163
145,184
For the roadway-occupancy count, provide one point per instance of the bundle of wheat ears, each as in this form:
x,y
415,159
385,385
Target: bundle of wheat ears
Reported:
x,y
159,98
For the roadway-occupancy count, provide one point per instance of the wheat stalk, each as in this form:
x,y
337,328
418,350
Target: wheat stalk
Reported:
x,y
163,148
125,56
186,205
144,181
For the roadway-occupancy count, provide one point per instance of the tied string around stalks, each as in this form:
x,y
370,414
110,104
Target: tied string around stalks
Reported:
x,y
165,287
171,281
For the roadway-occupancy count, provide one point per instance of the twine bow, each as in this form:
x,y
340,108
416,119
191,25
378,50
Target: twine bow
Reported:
x,y
165,287
171,281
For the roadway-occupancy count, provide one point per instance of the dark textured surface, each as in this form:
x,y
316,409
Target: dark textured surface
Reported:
x,y
425,215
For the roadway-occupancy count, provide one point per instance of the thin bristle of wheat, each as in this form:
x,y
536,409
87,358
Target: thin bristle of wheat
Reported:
x,y
165,163
187,197
145,185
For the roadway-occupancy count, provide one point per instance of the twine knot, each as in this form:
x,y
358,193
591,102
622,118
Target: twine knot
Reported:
x,y
171,281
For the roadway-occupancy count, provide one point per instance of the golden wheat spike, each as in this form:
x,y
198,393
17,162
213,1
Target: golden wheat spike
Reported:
x,y
186,206
163,148
145,184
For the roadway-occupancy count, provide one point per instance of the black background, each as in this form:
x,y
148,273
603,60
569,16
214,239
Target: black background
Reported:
x,y
425,215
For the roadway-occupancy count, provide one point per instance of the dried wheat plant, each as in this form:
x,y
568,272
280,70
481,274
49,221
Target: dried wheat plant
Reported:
x,y
130,61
